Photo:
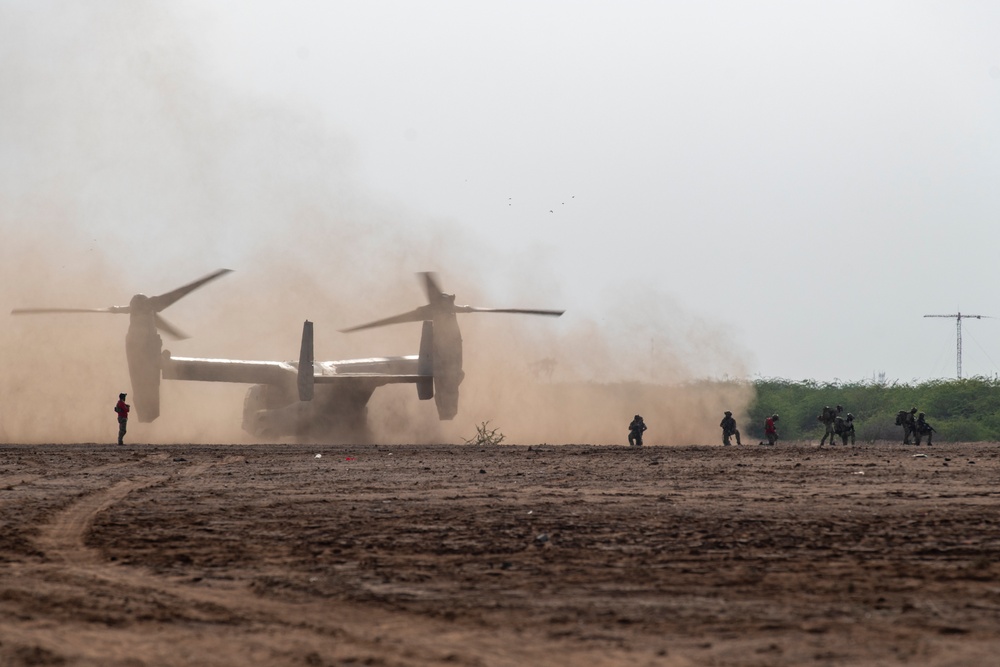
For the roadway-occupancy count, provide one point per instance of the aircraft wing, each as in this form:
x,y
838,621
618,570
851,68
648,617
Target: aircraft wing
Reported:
x,y
370,372
349,381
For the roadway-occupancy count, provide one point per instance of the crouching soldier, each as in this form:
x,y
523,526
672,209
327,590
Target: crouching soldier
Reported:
x,y
922,429
844,427
729,429
635,429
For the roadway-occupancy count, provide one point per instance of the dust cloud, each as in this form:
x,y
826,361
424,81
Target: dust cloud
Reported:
x,y
540,380
124,169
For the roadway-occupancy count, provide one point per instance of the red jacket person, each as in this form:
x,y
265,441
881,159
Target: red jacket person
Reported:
x,y
771,429
122,409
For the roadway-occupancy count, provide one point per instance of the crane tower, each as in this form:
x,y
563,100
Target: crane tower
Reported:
x,y
959,316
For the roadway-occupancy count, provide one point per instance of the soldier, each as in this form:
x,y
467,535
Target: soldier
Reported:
x,y
635,429
828,416
729,429
122,409
909,426
901,421
922,428
844,428
771,429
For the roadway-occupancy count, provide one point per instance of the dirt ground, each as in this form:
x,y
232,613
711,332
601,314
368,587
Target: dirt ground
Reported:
x,y
507,555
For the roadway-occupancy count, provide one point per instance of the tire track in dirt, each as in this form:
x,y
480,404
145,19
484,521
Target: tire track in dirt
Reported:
x,y
63,539
327,628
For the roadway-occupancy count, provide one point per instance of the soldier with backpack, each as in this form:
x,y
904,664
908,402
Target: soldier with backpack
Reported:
x,y
909,424
635,430
901,421
828,416
844,428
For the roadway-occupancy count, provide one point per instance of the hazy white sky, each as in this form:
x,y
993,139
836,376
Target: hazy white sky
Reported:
x,y
810,177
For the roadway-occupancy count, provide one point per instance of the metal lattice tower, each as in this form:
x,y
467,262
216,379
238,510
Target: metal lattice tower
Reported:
x,y
958,325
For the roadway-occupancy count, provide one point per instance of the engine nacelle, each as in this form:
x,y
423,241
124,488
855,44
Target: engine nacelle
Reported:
x,y
447,362
142,350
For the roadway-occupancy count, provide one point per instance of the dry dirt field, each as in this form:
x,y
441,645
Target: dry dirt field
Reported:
x,y
508,555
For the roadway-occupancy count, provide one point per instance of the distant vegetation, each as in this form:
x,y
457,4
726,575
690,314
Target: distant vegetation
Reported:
x,y
960,410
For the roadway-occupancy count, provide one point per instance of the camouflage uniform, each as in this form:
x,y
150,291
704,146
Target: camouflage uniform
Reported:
x,y
901,421
844,427
909,426
922,428
728,425
635,429
828,416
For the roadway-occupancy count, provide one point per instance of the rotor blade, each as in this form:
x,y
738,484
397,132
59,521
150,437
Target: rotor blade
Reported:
x,y
418,315
526,311
431,286
35,311
164,300
168,328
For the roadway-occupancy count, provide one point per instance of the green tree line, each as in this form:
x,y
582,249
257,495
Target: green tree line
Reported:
x,y
966,410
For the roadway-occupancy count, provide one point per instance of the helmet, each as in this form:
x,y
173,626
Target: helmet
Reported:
x,y
839,408
774,416
912,410
638,417
921,414
728,413
826,407
850,416
121,396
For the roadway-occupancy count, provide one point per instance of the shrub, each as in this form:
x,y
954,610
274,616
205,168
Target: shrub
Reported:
x,y
486,436
965,410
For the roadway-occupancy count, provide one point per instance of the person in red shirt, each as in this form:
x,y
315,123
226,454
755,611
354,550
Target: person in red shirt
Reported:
x,y
770,430
122,409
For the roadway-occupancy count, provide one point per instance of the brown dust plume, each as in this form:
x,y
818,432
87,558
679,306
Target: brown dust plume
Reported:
x,y
125,169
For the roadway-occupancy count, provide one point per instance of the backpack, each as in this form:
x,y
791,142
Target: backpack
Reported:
x,y
899,417
839,424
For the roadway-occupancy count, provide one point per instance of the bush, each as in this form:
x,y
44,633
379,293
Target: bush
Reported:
x,y
486,436
965,410
958,430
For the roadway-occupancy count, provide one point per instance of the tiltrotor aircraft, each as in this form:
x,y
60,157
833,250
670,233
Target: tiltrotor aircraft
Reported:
x,y
304,399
